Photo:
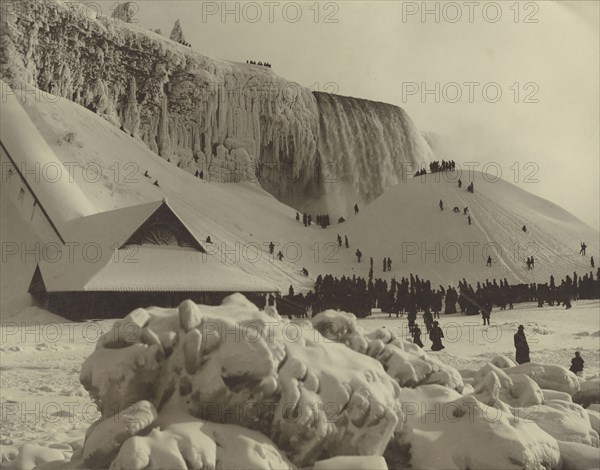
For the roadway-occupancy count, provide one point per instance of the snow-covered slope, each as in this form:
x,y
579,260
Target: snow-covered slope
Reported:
x,y
108,165
231,120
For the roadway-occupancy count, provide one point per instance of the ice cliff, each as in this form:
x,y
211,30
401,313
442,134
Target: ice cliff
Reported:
x,y
231,120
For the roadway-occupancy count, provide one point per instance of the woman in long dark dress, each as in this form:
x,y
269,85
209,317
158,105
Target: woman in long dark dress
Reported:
x,y
417,336
521,346
436,336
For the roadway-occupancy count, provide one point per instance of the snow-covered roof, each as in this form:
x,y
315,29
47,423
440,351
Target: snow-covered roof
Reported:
x,y
115,227
156,268
150,268
45,174
110,227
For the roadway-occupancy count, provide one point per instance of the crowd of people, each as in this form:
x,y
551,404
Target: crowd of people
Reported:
x,y
264,64
437,166
412,295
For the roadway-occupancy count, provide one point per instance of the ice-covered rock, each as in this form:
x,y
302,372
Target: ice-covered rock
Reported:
x,y
445,430
494,387
574,456
351,463
548,376
565,421
235,364
405,362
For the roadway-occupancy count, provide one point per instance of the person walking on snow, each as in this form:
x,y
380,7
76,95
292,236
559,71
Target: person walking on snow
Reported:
x,y
436,336
355,209
346,241
489,261
441,205
583,247
358,254
339,240
416,335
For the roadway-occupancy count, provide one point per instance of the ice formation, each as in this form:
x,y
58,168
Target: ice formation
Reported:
x,y
232,386
234,121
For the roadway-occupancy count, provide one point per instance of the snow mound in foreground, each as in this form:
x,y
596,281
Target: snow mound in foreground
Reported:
x,y
202,387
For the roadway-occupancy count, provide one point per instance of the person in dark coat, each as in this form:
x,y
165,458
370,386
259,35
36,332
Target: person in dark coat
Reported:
x,y
576,363
592,262
428,320
416,335
436,336
291,291
358,254
355,209
441,205
521,346
346,241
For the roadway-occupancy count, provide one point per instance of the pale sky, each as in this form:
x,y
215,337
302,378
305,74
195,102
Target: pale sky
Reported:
x,y
544,52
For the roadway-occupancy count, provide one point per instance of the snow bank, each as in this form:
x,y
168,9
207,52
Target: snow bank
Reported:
x,y
236,387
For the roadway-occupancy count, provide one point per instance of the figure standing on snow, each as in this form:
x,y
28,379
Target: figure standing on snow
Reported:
x,y
280,256
271,248
459,183
436,336
416,335
583,247
521,346
339,240
485,314
489,261
469,219
592,262
358,255
384,264
346,241
389,264
470,188
524,229
577,363
441,205
355,209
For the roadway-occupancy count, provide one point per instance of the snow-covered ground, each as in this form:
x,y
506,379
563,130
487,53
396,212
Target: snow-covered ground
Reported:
x,y
43,402
553,334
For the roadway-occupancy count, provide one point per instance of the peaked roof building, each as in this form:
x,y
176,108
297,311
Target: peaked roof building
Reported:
x,y
110,262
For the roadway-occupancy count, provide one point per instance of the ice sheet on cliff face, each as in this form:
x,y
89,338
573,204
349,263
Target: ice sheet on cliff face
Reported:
x,y
231,120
